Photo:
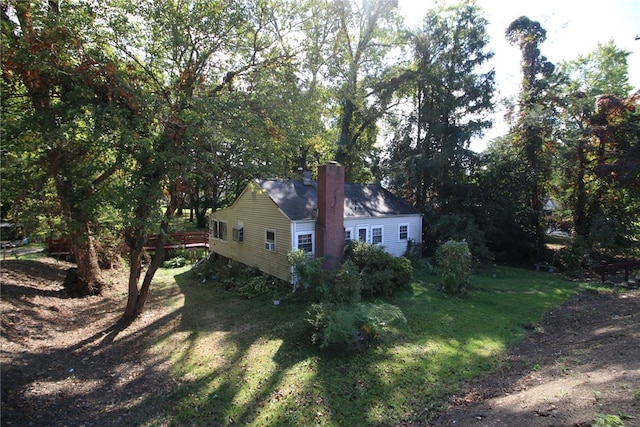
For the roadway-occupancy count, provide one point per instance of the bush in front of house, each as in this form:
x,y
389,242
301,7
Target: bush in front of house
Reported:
x,y
341,320
453,259
381,273
306,269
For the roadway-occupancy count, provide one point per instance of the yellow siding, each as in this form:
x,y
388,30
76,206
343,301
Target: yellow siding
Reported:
x,y
257,213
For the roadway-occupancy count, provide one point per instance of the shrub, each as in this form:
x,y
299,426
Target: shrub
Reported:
x,y
255,286
454,261
306,268
575,257
414,254
345,286
176,262
381,273
351,326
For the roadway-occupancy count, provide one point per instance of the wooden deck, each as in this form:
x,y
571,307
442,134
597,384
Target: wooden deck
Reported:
x,y
188,240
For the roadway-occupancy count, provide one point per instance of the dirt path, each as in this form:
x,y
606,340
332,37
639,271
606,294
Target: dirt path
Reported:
x,y
581,362
73,362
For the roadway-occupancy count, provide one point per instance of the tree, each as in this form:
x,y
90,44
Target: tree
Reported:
x,y
532,133
429,157
364,37
502,189
51,59
616,140
604,71
195,59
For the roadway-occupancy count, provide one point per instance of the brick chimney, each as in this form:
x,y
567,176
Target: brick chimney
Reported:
x,y
330,224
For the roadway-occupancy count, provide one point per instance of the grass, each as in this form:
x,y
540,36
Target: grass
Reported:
x,y
248,362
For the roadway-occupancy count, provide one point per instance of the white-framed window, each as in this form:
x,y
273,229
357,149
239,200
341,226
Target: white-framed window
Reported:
x,y
376,235
270,240
403,232
219,230
348,234
305,242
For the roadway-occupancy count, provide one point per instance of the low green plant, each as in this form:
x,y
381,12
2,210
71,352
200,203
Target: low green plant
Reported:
x,y
255,286
351,326
345,286
454,261
607,420
176,262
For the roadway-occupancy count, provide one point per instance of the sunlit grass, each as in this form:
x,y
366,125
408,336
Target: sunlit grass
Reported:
x,y
247,362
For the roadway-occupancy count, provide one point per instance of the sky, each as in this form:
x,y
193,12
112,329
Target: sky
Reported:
x,y
574,27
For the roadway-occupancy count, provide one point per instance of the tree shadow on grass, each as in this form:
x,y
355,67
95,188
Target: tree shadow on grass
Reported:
x,y
251,363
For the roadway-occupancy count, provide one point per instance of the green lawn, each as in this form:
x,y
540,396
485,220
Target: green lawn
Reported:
x,y
248,362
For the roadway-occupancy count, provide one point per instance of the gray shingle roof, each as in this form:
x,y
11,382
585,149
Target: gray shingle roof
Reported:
x,y
300,202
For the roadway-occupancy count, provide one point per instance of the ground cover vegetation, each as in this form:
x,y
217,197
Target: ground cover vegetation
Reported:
x,y
274,374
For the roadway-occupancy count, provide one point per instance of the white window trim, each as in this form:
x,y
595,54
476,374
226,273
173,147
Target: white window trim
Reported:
x,y
408,234
381,227
313,240
367,236
351,231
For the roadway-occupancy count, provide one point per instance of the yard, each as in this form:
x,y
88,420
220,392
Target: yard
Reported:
x,y
523,348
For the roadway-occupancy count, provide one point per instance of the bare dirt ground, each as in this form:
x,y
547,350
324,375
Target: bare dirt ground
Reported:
x,y
74,362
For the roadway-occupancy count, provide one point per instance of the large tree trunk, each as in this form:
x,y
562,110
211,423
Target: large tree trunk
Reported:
x,y
89,277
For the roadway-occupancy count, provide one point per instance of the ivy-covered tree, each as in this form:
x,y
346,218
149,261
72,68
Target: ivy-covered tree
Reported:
x,y
533,128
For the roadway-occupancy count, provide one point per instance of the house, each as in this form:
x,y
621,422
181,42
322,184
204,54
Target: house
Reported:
x,y
272,217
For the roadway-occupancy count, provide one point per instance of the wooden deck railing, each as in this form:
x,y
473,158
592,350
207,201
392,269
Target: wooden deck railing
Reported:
x,y
188,240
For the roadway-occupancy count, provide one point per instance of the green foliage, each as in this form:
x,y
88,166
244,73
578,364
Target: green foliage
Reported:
x,y
381,273
247,282
341,320
574,258
429,159
255,286
536,117
454,261
461,227
306,268
351,326
607,420
176,262
259,365
345,287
